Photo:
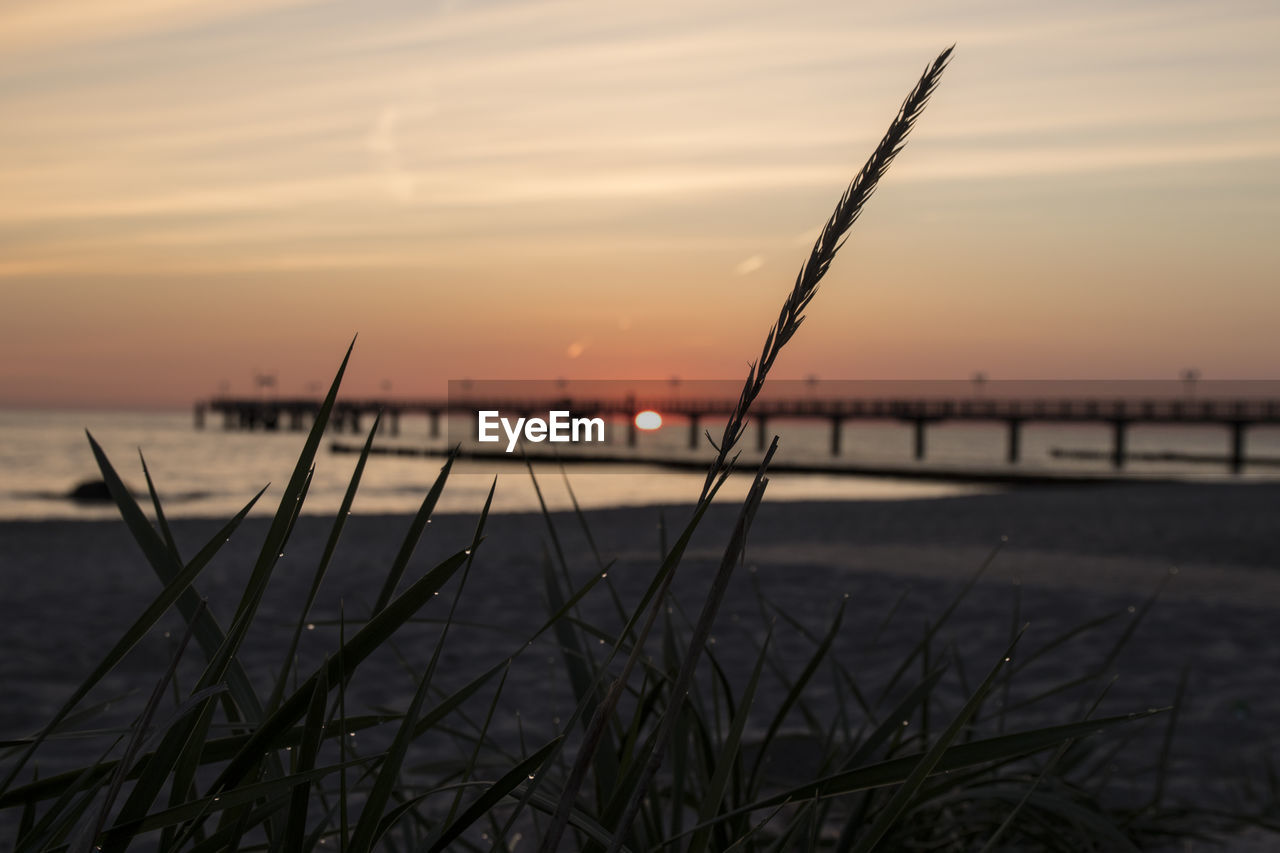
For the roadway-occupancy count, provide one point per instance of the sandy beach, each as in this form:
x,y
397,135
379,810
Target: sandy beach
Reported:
x,y
1073,553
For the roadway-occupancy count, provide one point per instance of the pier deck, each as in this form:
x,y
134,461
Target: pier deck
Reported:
x,y
1235,415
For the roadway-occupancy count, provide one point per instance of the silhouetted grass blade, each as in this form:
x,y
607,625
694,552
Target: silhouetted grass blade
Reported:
x,y
312,737
178,585
278,789
416,528
132,747
728,757
901,797
494,794
166,565
351,653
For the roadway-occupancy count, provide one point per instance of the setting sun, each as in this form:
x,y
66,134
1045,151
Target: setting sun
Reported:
x,y
649,419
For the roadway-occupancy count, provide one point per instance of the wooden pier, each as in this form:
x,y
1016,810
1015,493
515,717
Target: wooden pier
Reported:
x,y
1234,415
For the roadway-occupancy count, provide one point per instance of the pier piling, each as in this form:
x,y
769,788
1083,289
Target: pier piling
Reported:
x,y
1015,439
1237,446
1118,427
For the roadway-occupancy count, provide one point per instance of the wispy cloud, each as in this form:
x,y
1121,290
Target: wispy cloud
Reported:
x,y
41,25
384,144
541,103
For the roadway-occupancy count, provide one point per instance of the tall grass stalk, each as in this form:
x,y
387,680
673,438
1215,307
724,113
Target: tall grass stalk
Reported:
x,y
790,317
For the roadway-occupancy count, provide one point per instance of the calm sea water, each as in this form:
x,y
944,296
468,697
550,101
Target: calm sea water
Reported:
x,y
212,472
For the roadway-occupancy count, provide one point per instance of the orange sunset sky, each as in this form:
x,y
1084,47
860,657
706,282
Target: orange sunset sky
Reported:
x,y
192,190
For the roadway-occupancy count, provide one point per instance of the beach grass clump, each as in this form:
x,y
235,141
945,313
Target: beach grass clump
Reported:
x,y
666,746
